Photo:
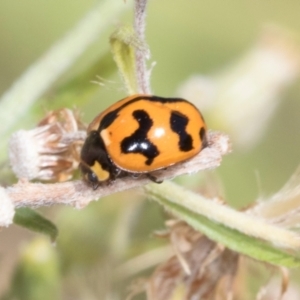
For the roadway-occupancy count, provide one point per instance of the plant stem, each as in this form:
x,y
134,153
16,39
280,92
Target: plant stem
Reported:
x,y
141,54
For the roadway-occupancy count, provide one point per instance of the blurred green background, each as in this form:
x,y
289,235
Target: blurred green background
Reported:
x,y
185,38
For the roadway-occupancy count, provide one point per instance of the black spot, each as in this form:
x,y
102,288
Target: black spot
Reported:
x,y
138,141
203,137
108,119
178,123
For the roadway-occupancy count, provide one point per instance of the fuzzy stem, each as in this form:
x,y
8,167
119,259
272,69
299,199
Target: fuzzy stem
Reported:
x,y
240,221
79,194
141,54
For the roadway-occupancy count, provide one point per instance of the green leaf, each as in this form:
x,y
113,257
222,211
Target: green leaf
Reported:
x,y
123,44
31,220
231,238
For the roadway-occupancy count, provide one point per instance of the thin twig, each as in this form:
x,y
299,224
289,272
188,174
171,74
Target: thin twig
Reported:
x,y
79,194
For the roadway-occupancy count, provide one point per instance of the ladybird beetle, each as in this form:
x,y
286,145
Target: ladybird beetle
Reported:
x,y
141,134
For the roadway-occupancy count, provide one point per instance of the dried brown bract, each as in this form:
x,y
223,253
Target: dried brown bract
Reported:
x,y
199,270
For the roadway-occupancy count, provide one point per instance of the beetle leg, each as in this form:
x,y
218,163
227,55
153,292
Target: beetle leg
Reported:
x,y
153,178
135,175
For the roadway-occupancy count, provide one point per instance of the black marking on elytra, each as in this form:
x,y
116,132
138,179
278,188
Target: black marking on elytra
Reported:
x,y
203,137
112,115
138,141
178,123
155,99
108,119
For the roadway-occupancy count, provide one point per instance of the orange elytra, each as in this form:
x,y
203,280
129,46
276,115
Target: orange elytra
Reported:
x,y
141,134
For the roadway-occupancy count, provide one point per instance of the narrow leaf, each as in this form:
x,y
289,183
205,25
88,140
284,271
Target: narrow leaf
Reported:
x,y
231,238
123,44
32,220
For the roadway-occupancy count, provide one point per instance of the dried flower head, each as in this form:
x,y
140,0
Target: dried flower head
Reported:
x,y
197,269
51,150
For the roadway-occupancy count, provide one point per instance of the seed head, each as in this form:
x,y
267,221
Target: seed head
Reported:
x,y
51,150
